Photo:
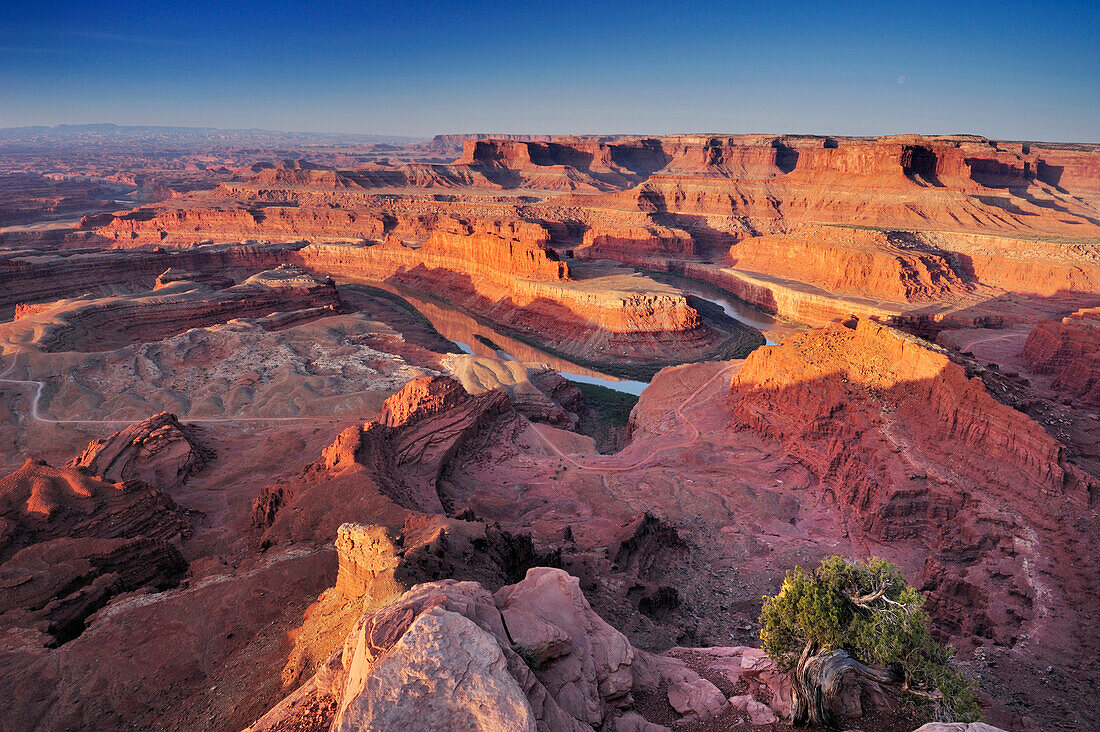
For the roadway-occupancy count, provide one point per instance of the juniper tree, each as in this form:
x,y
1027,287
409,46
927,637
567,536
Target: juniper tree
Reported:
x,y
862,617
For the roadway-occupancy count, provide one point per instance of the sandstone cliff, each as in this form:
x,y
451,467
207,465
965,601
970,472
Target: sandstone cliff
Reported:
x,y
635,244
1069,350
915,451
106,323
878,265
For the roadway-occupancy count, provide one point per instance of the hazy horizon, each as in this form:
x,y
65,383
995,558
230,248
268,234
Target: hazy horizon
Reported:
x,y
1023,71
380,137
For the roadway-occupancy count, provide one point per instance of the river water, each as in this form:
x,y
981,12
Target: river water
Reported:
x,y
463,331
733,307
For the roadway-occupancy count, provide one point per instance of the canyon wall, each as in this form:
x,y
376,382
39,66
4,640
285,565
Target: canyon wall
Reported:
x,y
1023,264
873,264
918,454
1069,350
33,278
106,323
508,267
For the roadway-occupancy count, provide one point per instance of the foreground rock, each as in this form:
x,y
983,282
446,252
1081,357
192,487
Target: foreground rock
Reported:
x,y
449,655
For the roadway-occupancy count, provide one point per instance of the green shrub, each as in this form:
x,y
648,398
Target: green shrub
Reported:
x,y
871,611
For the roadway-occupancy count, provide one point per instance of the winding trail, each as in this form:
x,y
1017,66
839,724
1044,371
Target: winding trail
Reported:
x,y
990,339
36,415
40,385
689,400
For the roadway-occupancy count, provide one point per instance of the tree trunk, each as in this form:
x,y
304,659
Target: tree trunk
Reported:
x,y
817,679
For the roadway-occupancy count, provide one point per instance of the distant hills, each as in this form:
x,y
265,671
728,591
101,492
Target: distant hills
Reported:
x,y
108,133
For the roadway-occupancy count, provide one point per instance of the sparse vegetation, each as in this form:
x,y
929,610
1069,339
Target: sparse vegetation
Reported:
x,y
612,407
527,655
486,341
864,617
606,414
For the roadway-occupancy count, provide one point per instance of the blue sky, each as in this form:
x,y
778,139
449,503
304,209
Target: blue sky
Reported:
x,y
1007,70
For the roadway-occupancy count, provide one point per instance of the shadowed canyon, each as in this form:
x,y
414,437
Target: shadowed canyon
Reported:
x,y
514,432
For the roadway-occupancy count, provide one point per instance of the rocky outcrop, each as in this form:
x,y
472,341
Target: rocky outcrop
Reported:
x,y
532,656
468,684
107,323
40,503
376,562
1069,350
385,467
422,398
69,543
422,427
158,451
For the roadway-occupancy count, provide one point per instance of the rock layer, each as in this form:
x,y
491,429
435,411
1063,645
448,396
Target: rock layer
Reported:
x,y
916,452
69,543
1069,350
106,323
158,451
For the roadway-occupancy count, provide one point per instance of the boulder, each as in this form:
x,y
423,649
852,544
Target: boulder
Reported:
x,y
444,673
697,697
758,712
634,722
764,678
588,662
